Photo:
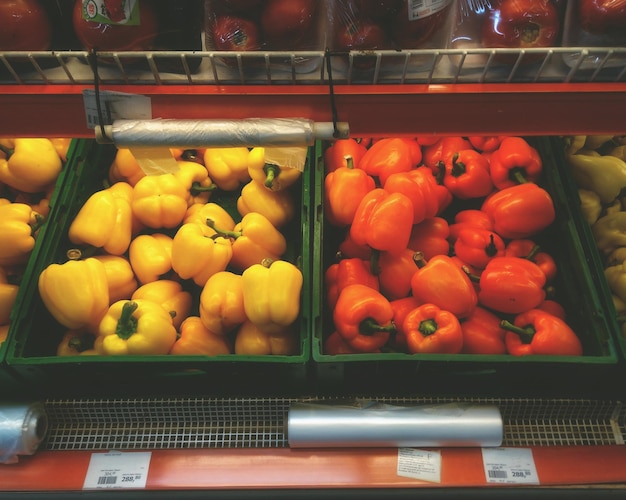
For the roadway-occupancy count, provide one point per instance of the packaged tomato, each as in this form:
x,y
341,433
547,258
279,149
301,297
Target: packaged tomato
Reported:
x,y
504,24
269,25
595,23
359,26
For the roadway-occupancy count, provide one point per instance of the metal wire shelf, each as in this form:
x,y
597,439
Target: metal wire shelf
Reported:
x,y
559,64
198,422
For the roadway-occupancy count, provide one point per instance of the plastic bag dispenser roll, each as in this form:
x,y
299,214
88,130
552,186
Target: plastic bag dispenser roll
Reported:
x,y
190,134
22,429
317,425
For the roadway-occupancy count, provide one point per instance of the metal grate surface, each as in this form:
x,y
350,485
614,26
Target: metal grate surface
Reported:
x,y
558,64
171,423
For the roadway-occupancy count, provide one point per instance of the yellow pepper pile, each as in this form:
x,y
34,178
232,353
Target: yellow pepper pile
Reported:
x,y
29,168
172,272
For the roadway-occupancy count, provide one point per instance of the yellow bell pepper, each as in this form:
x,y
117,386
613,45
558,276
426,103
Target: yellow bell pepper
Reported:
x,y
616,278
135,327
150,256
228,167
105,220
200,213
250,340
8,294
271,294
120,276
273,177
30,164
195,178
18,225
221,303
254,238
125,168
170,294
159,201
4,333
196,339
197,255
277,206
62,146
38,202
76,293
76,342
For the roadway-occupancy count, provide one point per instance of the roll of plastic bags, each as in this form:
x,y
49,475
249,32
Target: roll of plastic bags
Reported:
x,y
22,429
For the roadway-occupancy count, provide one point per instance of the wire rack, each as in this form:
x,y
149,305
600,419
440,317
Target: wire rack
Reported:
x,y
559,64
175,423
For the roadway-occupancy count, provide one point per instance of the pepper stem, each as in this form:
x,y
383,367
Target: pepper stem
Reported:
x,y
271,172
491,248
526,334
349,161
518,174
375,262
127,323
428,327
369,327
223,232
458,167
418,258
533,252
441,172
197,188
474,278
7,151
39,221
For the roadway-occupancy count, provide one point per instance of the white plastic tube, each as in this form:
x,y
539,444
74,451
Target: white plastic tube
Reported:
x,y
381,425
218,133
22,429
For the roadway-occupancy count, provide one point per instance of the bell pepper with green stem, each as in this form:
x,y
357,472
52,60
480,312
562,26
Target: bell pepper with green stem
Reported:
x,y
401,307
436,155
274,177
221,303
201,212
348,271
195,177
135,327
363,317
254,238
195,339
271,294
228,167
383,221
344,188
430,329
29,164
170,295
467,175
76,293
76,343
528,249
160,201
514,162
469,218
482,333
105,220
539,332
337,154
18,228
477,246
278,206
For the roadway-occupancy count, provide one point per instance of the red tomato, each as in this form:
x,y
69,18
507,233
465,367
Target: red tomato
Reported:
x,y
602,16
287,22
25,26
235,33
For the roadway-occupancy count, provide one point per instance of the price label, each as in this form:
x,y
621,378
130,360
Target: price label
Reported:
x,y
419,464
115,106
509,466
117,470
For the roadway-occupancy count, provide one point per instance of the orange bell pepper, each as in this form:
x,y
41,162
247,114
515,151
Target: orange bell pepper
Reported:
x,y
150,256
221,302
120,276
76,342
430,329
197,339
170,294
337,154
160,201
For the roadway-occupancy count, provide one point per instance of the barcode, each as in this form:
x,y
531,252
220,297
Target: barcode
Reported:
x,y
107,480
497,474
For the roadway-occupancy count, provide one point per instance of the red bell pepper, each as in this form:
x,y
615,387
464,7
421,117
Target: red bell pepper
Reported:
x,y
539,332
401,307
469,218
440,281
438,154
467,175
388,156
430,329
514,162
430,237
347,272
485,143
511,285
383,221
482,333
363,317
394,272
477,246
335,344
348,249
427,140
528,249
419,188
553,307
442,193
344,188
520,211
336,155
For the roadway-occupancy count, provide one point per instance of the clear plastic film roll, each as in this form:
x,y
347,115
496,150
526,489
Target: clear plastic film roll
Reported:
x,y
373,424
251,132
22,429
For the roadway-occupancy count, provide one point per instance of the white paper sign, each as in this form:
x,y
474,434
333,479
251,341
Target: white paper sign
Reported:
x,y
115,106
510,466
116,469
419,464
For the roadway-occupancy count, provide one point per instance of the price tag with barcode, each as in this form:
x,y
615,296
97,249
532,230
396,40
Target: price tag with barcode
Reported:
x,y
510,466
116,469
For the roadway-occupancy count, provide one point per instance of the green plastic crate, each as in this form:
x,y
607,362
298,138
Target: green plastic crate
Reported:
x,y
577,288
34,334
